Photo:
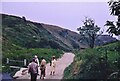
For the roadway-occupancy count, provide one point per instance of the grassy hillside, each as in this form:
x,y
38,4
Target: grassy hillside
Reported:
x,y
27,34
22,39
98,63
20,32
30,53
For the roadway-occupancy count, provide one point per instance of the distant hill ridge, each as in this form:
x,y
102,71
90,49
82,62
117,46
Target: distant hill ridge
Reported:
x,y
22,33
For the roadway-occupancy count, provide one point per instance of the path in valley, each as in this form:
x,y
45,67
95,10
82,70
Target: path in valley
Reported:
x,y
61,64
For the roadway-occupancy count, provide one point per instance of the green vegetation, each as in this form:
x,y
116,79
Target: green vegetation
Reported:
x,y
28,34
97,63
88,32
22,39
114,26
28,54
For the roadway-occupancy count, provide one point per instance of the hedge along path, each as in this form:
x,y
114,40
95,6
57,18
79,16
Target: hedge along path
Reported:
x,y
61,64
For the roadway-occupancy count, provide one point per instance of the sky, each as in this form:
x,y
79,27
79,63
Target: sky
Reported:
x,y
54,0
67,15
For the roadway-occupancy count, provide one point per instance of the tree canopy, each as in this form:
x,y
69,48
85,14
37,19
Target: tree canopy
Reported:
x,y
114,27
88,31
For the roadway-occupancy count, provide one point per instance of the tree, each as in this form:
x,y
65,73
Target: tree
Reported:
x,y
114,28
88,31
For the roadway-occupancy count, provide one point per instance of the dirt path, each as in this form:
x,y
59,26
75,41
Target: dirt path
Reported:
x,y
61,64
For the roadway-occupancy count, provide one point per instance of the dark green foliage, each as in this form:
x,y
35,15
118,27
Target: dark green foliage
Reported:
x,y
88,32
115,7
97,63
115,11
28,54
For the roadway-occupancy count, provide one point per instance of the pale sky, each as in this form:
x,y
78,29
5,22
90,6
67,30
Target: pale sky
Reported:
x,y
54,0
67,15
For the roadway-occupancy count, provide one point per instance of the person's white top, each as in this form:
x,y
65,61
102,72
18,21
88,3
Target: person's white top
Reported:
x,y
53,63
37,60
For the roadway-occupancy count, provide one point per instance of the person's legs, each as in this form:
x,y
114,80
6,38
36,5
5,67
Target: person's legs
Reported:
x,y
53,70
41,74
51,73
32,77
35,76
44,74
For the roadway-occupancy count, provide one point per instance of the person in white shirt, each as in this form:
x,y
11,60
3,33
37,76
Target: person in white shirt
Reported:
x,y
53,65
36,60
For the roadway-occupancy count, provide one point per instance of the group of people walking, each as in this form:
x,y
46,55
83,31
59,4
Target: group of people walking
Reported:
x,y
35,65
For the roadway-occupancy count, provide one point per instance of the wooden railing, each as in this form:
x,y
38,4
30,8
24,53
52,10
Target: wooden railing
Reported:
x,y
18,61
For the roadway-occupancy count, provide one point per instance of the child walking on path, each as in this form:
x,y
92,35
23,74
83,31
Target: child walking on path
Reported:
x,y
53,65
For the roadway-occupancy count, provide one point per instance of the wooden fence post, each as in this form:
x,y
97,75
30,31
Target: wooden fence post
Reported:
x,y
7,60
25,62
